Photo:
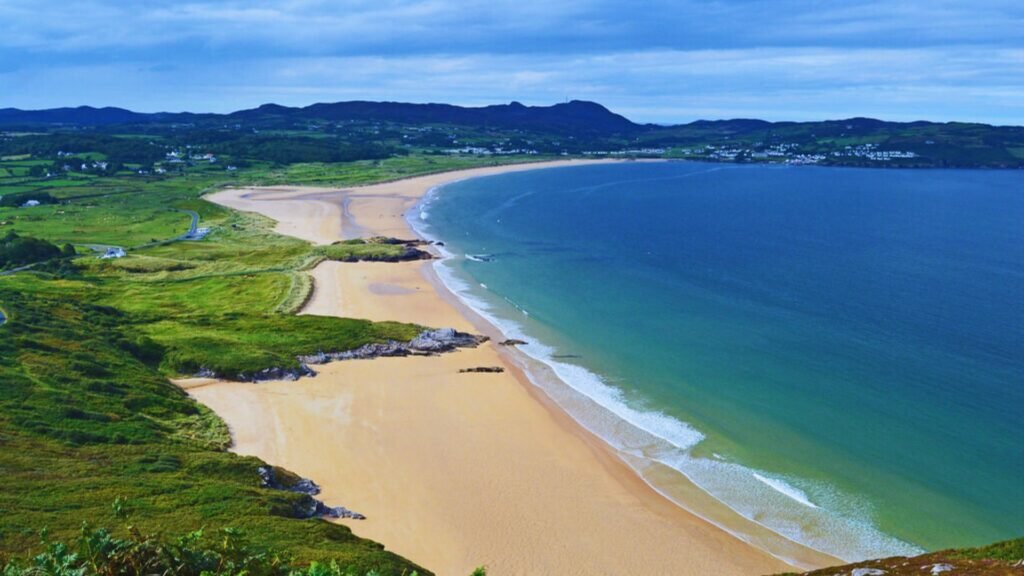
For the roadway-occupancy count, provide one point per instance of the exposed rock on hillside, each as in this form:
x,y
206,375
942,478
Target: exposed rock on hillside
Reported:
x,y
426,343
278,479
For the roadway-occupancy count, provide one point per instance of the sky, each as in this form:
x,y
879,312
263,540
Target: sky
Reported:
x,y
663,61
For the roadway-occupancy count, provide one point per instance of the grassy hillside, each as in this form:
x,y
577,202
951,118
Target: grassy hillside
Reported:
x,y
1002,559
91,429
373,131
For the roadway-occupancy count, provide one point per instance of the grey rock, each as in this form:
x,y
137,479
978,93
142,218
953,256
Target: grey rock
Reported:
x,y
309,507
337,512
444,340
427,342
485,369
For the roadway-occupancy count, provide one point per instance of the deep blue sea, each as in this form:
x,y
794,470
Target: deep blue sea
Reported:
x,y
835,354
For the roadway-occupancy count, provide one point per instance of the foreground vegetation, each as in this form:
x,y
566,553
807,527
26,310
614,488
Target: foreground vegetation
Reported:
x,y
228,552
1004,558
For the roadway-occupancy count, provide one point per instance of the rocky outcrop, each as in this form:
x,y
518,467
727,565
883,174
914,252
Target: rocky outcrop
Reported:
x,y
277,374
309,507
483,369
410,250
324,511
273,373
513,342
445,340
426,343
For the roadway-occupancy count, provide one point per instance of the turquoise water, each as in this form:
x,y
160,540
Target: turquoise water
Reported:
x,y
835,353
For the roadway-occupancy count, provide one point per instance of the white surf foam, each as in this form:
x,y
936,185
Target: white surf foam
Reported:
x,y
789,491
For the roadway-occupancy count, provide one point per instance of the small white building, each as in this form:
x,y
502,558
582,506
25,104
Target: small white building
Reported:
x,y
30,204
113,252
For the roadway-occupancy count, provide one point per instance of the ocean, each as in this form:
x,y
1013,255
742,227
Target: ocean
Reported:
x,y
834,356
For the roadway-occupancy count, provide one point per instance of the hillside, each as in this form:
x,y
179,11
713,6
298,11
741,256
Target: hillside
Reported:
x,y
1002,559
381,129
575,116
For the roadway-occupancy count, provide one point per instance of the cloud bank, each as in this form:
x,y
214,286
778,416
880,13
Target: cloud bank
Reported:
x,y
655,61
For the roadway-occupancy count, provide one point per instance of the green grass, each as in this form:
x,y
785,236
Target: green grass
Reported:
x,y
226,552
86,418
1009,551
124,211
1000,559
87,415
375,249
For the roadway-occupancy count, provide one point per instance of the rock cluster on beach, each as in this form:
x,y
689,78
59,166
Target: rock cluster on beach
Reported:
x,y
274,373
426,343
484,369
411,250
310,507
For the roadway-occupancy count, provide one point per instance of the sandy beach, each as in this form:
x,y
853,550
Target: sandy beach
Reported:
x,y
452,470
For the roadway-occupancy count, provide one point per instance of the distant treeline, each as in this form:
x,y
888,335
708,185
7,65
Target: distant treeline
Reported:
x,y
19,199
240,148
288,149
116,149
20,251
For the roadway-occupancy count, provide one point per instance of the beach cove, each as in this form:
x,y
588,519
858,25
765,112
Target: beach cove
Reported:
x,y
456,470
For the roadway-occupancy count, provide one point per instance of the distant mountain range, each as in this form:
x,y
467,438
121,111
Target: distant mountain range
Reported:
x,y
572,116
577,127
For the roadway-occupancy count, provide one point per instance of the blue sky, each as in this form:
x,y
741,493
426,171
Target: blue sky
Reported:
x,y
654,61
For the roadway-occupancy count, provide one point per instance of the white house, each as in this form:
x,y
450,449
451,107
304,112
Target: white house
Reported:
x,y
113,252
30,204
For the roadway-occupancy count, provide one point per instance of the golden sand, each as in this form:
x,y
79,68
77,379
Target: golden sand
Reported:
x,y
452,470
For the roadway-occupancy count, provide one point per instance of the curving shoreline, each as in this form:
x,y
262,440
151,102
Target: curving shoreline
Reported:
x,y
454,470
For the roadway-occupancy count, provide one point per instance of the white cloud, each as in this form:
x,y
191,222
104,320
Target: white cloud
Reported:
x,y
657,60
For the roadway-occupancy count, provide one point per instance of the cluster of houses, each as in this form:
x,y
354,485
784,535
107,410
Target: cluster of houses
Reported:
x,y
86,166
489,151
789,153
805,159
627,152
182,156
871,152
